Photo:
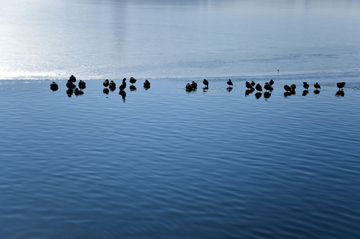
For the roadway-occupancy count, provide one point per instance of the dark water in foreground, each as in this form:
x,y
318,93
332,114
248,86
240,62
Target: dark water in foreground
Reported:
x,y
171,164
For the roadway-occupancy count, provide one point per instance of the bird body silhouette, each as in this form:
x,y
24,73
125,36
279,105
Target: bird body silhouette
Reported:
x,y
82,84
112,85
229,82
146,84
72,78
248,85
106,83
123,85
132,80
287,88
317,86
258,87
54,86
268,87
194,85
340,85
206,82
271,82
305,85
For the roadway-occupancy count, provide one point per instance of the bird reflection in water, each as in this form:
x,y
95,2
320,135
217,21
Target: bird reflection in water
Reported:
x,y
132,88
305,92
249,91
287,93
267,95
316,92
229,89
78,92
340,93
258,95
106,91
206,88
69,92
123,95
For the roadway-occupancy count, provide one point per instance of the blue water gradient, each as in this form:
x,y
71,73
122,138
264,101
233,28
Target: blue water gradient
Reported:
x,y
166,163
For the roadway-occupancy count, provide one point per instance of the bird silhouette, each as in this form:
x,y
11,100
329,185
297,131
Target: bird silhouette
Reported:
x,y
188,87
229,82
194,85
340,85
271,82
72,78
123,85
82,84
132,80
206,82
106,83
70,84
287,88
146,84
248,85
268,87
112,85
54,86
306,85
258,87
317,86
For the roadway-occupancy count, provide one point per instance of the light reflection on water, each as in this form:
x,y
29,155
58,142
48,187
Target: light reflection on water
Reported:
x,y
167,163
108,39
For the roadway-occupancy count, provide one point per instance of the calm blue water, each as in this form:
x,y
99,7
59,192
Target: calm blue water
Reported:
x,y
166,163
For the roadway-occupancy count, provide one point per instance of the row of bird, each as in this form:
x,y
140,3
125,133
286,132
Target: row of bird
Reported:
x,y
82,85
189,86
267,86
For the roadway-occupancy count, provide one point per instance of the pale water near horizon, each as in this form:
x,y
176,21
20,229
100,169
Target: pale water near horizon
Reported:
x,y
159,39
166,163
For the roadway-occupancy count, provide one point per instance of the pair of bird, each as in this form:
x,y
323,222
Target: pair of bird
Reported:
x,y
111,84
191,86
306,85
290,88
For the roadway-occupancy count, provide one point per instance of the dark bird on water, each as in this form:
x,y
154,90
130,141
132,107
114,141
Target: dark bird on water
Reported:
x,y
293,87
252,83
146,84
248,85
72,78
194,85
112,85
258,87
305,85
123,85
54,86
70,85
229,82
188,87
317,86
206,82
82,84
132,80
287,88
340,85
268,87
271,82
106,83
